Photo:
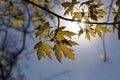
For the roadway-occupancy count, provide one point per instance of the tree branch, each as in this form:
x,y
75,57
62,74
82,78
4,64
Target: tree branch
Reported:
x,y
67,19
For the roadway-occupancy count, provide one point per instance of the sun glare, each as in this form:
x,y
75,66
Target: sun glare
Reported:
x,y
74,27
82,25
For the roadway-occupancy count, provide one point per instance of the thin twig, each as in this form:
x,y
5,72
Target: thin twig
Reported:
x,y
67,19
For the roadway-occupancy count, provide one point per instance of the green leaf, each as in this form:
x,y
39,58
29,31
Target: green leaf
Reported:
x,y
42,29
69,6
43,48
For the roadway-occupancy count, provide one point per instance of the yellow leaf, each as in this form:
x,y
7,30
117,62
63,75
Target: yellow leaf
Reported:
x,y
114,28
67,51
88,35
69,42
69,6
102,13
99,33
61,34
80,32
43,48
36,2
99,28
105,30
36,20
1,52
2,60
17,22
77,15
46,1
117,19
72,43
58,52
42,29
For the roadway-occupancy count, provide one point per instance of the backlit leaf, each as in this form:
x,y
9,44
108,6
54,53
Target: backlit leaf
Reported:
x,y
36,20
77,15
17,22
102,13
69,6
80,32
36,2
114,28
58,52
42,29
88,35
100,28
69,42
61,34
1,52
43,48
67,51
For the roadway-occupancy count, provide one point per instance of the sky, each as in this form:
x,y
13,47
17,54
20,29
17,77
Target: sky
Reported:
x,y
87,66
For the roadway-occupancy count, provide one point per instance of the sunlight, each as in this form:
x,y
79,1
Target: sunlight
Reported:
x,y
73,26
82,25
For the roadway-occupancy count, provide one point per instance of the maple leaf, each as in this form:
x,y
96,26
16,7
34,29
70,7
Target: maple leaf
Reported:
x,y
62,34
67,51
58,52
17,22
61,47
100,28
36,2
102,13
88,35
77,15
42,29
80,32
69,42
43,48
69,6
1,52
36,20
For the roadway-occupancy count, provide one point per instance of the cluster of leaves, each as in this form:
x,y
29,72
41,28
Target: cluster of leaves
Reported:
x,y
85,12
116,13
12,12
59,37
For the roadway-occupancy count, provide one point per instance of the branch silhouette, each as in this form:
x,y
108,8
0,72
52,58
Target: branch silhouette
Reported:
x,y
68,19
